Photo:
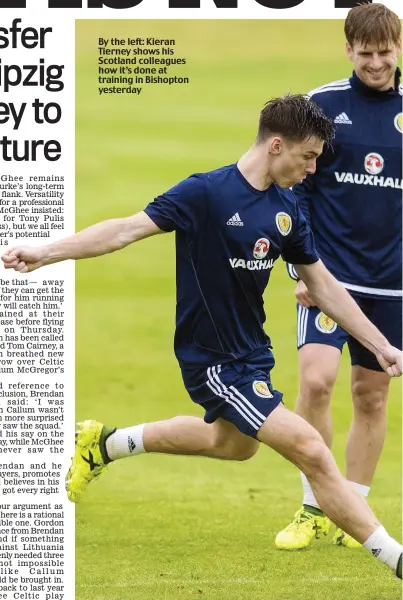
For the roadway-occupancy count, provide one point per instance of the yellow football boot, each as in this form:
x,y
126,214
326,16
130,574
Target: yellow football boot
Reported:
x,y
89,459
343,539
304,527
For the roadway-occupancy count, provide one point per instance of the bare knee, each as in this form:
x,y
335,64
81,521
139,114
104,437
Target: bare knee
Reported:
x,y
247,451
314,457
318,366
369,401
237,447
315,390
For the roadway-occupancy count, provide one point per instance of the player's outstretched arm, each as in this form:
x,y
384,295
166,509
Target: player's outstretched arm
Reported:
x,y
102,238
331,297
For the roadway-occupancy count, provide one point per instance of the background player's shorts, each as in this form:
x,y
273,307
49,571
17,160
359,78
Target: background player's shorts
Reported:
x,y
238,392
314,327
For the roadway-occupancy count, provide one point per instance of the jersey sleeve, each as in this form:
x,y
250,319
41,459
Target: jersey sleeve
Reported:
x,y
181,207
300,246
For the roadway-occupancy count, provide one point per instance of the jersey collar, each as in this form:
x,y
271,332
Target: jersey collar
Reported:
x,y
361,88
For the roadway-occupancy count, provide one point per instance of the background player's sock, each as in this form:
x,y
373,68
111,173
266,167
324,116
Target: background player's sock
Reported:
x,y
125,442
384,547
363,490
309,499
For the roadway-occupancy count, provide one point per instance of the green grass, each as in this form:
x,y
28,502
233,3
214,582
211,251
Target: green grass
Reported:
x,y
159,527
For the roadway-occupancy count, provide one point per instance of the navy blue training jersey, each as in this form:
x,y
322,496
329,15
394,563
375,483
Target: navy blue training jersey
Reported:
x,y
354,200
228,236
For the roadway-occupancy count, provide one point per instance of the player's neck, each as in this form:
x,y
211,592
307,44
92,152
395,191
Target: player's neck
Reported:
x,y
253,166
391,84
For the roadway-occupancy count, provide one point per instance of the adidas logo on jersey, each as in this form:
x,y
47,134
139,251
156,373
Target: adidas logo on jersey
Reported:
x,y
235,221
343,119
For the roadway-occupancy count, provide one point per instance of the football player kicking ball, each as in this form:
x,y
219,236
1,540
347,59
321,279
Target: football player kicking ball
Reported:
x,y
353,203
239,218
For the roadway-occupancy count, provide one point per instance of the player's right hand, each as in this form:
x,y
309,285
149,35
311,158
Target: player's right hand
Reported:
x,y
302,295
24,259
391,360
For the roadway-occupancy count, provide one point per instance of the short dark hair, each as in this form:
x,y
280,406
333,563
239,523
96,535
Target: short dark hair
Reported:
x,y
297,118
372,24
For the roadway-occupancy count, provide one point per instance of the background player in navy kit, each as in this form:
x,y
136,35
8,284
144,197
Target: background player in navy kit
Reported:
x,y
354,205
235,221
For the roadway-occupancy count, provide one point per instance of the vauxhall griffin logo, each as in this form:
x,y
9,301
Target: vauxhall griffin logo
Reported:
x,y
374,163
261,248
260,251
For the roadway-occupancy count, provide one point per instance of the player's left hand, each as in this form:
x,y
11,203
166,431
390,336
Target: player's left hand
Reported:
x,y
391,361
302,295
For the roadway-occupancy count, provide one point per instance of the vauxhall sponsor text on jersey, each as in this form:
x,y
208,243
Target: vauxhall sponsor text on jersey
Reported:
x,y
354,200
223,269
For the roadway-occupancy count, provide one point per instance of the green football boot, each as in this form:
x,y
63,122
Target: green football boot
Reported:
x,y
304,527
344,539
89,460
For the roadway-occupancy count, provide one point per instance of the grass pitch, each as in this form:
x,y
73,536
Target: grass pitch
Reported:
x,y
168,528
